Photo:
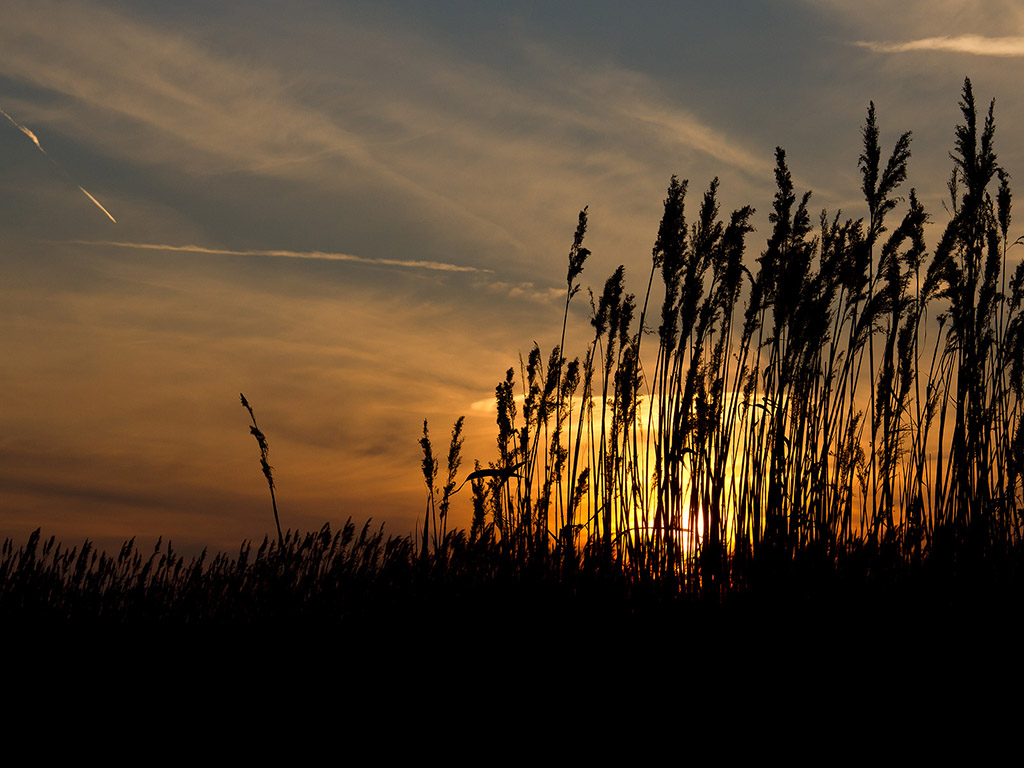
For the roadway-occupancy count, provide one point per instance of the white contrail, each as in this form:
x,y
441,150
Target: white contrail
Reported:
x,y
26,131
976,45
320,255
98,204
35,140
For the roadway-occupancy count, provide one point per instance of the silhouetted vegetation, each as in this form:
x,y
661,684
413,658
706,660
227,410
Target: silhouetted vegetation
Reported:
x,y
836,421
844,393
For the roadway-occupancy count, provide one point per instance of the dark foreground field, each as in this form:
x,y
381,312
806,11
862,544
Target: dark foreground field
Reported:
x,y
811,461
353,621
361,584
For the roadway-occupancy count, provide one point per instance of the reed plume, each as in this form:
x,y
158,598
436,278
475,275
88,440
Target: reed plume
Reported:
x,y
261,440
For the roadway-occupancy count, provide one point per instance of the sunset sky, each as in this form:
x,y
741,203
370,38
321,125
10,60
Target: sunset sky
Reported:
x,y
358,214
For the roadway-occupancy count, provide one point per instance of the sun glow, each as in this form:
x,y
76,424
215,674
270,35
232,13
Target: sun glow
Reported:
x,y
645,491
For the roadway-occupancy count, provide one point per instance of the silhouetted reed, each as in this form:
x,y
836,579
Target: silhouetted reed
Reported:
x,y
844,411
848,392
268,472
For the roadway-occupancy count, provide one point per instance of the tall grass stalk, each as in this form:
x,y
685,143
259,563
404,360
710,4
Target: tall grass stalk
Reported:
x,y
845,389
261,441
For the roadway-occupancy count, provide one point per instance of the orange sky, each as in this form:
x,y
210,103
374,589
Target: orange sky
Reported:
x,y
362,214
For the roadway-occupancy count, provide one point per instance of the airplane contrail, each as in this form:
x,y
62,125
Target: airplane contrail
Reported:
x,y
35,140
98,204
321,255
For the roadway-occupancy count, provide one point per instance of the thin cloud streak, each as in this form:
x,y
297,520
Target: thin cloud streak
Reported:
x,y
704,138
35,140
23,129
98,203
316,255
436,136
976,45
228,117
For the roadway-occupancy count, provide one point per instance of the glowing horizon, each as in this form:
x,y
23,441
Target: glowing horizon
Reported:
x,y
360,215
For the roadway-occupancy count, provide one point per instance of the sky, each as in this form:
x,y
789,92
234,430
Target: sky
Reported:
x,y
359,215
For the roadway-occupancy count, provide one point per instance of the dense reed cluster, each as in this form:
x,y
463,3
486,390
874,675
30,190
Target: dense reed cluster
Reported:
x,y
846,390
840,416
359,579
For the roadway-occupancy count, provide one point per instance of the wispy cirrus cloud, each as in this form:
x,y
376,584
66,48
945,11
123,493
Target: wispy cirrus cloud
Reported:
x,y
976,45
315,255
383,115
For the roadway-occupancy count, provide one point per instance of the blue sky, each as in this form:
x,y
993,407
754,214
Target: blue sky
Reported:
x,y
358,214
